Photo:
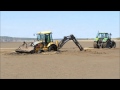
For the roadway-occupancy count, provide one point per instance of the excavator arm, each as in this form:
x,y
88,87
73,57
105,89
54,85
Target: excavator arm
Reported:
x,y
66,39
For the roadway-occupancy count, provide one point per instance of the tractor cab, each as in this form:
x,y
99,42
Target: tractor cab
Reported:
x,y
103,35
45,37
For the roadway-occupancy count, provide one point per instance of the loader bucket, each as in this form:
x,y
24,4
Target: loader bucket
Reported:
x,y
25,49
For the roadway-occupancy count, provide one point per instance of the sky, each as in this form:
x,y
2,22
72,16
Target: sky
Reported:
x,y
82,24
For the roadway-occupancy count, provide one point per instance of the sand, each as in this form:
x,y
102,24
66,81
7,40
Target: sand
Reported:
x,y
69,63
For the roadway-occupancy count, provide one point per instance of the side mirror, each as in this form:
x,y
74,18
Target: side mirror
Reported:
x,y
33,34
110,34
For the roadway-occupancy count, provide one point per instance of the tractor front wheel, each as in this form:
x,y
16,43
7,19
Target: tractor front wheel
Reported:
x,y
106,44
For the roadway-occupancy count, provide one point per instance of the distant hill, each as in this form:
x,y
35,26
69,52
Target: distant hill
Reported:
x,y
14,39
17,39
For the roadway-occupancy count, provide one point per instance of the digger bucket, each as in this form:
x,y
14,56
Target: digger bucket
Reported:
x,y
25,48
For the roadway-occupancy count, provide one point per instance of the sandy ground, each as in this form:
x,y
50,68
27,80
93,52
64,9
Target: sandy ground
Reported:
x,y
69,63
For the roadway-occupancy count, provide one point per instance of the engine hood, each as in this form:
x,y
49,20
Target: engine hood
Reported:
x,y
105,39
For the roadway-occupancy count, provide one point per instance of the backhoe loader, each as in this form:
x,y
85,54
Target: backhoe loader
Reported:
x,y
45,43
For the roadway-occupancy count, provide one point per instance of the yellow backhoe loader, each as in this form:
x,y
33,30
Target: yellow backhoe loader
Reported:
x,y
45,43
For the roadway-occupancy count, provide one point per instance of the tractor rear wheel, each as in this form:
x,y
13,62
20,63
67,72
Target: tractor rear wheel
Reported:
x,y
52,47
95,44
113,44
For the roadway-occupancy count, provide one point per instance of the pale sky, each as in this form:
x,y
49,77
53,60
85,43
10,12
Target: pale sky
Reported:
x,y
82,24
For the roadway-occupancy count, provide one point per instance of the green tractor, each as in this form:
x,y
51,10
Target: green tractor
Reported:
x,y
103,40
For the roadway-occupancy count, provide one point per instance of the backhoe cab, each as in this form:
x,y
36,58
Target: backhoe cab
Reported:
x,y
45,41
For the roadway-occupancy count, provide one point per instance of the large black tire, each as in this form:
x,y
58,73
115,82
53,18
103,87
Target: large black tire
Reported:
x,y
95,45
113,44
52,47
106,44
102,45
